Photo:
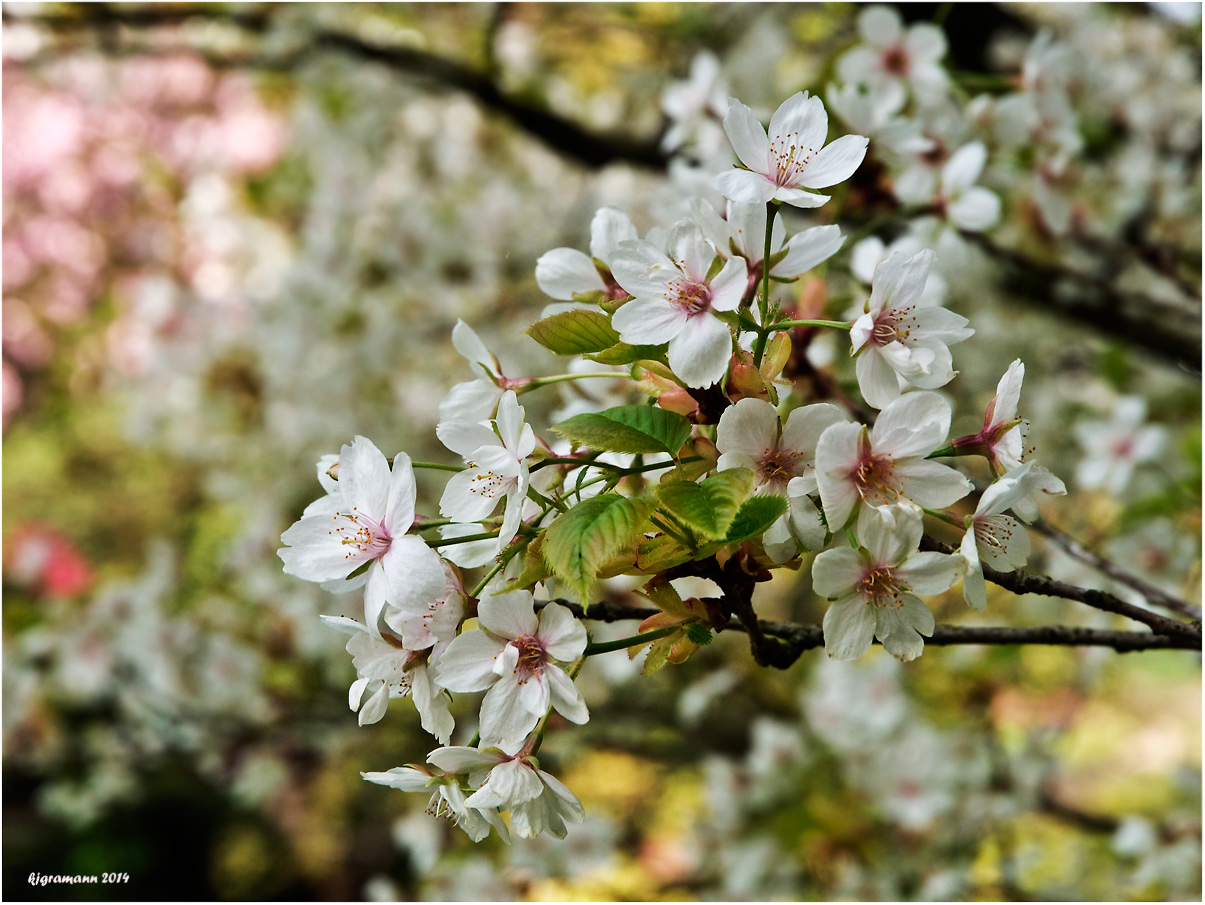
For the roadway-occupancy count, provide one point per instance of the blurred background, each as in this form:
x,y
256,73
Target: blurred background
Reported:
x,y
237,235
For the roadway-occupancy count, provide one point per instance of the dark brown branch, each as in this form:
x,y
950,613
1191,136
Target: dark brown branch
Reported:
x,y
1026,583
1078,551
797,638
594,149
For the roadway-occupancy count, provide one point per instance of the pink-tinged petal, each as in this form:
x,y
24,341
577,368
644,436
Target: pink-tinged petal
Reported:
x,y
374,708
432,706
930,573
463,759
566,699
835,162
836,458
505,721
415,572
749,428
931,484
364,477
974,589
801,121
510,614
913,425
700,353
880,26
836,572
877,380
861,331
808,248
745,186
748,138
900,280
561,634
1008,393
468,663
609,227
474,400
925,43
355,694
899,629
975,209
512,782
465,437
649,320
848,629
405,778
963,167
799,198
399,507
640,267
316,551
565,272
729,285
468,498
469,344
804,426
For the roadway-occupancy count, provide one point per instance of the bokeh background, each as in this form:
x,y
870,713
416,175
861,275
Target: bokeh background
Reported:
x,y
237,235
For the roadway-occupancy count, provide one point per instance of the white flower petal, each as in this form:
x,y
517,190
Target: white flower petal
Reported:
x,y
565,272
848,629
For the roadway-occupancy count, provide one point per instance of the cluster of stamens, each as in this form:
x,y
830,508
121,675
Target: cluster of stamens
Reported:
x,y
369,540
787,164
874,478
881,588
531,657
894,325
692,297
486,483
777,466
994,531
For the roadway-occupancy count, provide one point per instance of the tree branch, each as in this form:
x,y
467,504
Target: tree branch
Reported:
x,y
1027,583
1078,551
798,638
594,149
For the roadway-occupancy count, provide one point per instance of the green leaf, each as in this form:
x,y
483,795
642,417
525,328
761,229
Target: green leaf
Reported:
x,y
756,515
586,537
708,508
661,553
628,429
625,354
698,634
574,332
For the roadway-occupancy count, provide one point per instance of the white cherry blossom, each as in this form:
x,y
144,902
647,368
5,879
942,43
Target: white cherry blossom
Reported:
x,y
903,333
374,512
538,802
1113,448
782,456
892,57
564,273
448,800
998,539
496,467
515,656
473,400
886,465
673,301
964,204
385,670
792,157
1002,439
872,588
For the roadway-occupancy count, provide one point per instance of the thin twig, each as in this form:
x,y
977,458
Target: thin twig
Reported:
x,y
1078,551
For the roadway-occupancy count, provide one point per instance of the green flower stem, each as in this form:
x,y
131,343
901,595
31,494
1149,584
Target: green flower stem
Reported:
x,y
507,555
759,345
538,382
787,325
562,460
605,647
654,466
945,451
436,466
448,542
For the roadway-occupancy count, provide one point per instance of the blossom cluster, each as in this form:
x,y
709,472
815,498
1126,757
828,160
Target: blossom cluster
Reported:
x,y
745,477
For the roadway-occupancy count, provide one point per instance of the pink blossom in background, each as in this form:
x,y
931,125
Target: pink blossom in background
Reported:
x,y
45,561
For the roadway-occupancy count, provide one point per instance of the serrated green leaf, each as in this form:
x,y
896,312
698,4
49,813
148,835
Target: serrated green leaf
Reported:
x,y
698,634
628,429
708,508
583,539
625,354
574,332
756,515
